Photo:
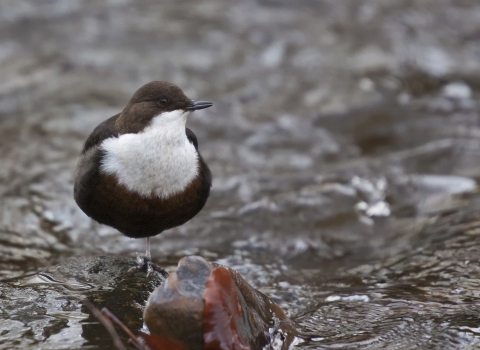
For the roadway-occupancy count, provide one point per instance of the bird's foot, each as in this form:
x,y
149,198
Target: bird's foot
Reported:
x,y
145,263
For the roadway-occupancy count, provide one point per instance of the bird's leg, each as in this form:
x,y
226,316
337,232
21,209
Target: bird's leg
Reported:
x,y
148,255
146,262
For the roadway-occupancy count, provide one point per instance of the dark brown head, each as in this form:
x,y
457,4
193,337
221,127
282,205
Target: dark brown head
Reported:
x,y
150,101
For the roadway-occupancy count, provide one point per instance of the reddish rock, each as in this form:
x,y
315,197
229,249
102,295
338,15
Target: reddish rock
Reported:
x,y
203,305
175,309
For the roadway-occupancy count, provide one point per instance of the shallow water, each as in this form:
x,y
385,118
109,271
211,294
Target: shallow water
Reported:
x,y
344,143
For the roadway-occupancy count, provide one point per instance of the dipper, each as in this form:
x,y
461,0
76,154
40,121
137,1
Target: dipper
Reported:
x,y
140,171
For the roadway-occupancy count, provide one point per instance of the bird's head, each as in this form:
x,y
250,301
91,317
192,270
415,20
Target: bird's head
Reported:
x,y
160,102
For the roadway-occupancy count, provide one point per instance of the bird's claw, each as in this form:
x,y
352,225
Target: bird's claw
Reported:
x,y
145,263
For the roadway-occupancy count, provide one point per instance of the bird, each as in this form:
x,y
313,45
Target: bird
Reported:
x,y
141,171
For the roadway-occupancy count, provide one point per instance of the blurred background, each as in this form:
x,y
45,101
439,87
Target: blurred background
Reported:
x,y
344,142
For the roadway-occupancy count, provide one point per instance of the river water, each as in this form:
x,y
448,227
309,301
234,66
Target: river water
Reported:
x,y
344,142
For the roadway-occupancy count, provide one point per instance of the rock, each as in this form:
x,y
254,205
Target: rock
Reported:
x,y
203,305
174,310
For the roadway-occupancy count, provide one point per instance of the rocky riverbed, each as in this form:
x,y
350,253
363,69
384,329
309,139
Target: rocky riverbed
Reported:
x,y
344,141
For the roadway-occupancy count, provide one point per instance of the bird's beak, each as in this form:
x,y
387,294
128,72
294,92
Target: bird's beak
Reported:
x,y
196,105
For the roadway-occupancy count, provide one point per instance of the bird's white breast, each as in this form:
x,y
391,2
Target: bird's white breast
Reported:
x,y
159,161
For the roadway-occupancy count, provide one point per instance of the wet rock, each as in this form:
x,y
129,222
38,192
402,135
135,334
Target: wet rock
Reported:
x,y
203,305
174,310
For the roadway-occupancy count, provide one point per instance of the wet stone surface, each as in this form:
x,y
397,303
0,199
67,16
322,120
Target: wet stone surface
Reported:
x,y
344,144
203,305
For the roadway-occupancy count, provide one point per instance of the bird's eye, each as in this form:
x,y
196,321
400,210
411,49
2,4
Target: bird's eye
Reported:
x,y
164,101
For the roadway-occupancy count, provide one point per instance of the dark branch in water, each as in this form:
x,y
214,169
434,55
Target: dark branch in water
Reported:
x,y
106,323
133,338
108,320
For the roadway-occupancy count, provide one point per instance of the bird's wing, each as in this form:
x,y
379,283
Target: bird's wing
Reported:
x,y
87,173
204,170
103,131
191,137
